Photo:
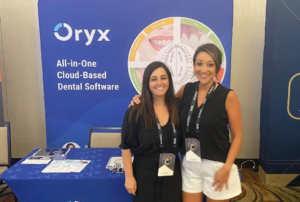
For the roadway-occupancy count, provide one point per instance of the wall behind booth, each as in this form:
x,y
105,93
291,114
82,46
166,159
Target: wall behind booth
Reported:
x,y
20,61
246,69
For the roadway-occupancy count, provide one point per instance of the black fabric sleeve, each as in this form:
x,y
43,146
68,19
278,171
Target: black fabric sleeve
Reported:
x,y
129,138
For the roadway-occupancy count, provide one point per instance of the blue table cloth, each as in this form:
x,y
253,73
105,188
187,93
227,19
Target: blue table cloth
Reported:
x,y
94,183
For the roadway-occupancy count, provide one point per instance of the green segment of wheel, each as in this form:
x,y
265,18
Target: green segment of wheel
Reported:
x,y
135,80
196,24
218,43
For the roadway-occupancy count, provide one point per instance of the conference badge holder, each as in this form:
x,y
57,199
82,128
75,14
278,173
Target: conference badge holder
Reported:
x,y
166,164
193,152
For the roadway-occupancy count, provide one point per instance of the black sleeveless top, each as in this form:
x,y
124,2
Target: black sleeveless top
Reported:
x,y
214,134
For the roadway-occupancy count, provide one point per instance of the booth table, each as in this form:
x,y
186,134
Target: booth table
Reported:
x,y
94,184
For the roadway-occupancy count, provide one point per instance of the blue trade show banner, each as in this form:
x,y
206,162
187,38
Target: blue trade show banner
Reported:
x,y
94,54
280,103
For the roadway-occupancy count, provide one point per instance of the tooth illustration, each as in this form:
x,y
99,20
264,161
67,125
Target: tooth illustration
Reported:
x,y
140,74
164,42
169,42
184,39
159,42
204,39
155,41
194,42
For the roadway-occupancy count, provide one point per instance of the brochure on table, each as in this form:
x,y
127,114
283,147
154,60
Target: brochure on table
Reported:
x,y
47,152
115,162
66,166
45,155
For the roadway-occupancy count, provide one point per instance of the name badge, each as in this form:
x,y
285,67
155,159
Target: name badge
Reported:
x,y
166,164
193,152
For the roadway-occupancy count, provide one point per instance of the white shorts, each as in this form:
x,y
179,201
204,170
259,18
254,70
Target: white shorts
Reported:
x,y
199,176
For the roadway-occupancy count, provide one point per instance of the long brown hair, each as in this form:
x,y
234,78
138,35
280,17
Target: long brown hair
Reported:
x,y
146,105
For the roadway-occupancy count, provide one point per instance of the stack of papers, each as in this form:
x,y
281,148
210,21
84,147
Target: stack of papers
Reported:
x,y
113,161
44,156
66,166
115,164
45,152
37,160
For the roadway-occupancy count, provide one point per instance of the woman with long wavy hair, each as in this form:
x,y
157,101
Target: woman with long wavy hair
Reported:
x,y
151,132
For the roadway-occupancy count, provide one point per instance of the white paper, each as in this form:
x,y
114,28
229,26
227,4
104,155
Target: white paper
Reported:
x,y
53,167
34,161
37,160
66,166
78,165
44,156
46,152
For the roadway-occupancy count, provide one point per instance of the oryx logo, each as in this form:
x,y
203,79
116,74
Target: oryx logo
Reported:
x,y
192,145
167,160
63,38
89,34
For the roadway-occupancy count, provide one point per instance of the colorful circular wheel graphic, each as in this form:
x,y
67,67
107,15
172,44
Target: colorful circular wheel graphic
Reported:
x,y
172,41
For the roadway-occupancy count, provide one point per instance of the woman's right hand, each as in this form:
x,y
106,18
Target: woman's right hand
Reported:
x,y
130,185
135,100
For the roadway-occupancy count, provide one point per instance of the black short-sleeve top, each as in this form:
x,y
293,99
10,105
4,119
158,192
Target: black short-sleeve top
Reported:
x,y
214,134
145,142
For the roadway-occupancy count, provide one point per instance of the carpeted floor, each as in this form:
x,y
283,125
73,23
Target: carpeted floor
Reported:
x,y
7,198
253,190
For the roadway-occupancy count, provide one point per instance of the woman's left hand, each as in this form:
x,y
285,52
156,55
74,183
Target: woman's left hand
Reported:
x,y
221,177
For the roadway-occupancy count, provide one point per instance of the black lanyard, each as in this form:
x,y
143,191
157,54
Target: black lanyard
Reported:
x,y
161,146
200,111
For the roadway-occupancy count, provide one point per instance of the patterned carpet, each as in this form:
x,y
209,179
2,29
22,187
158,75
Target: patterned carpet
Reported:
x,y
7,198
253,190
256,192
